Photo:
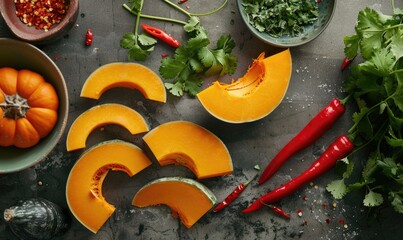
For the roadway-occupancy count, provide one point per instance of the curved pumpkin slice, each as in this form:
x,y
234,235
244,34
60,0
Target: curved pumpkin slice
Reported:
x,y
102,115
128,75
187,198
84,184
188,144
252,96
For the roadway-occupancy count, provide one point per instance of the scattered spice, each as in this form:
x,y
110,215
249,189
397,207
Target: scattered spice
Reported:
x,y
42,14
164,55
341,221
89,37
327,220
299,213
182,1
304,198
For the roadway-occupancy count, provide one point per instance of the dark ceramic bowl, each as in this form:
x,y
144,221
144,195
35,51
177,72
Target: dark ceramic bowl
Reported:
x,y
32,35
326,11
21,55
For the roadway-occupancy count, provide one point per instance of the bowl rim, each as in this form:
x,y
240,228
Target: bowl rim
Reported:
x,y
62,121
257,35
41,35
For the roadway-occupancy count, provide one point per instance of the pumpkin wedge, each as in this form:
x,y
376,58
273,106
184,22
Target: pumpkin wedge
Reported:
x,y
253,96
127,75
190,145
84,183
187,198
102,115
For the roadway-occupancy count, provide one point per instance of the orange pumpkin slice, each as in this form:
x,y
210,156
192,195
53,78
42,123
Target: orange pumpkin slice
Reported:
x,y
127,75
84,184
188,144
102,115
189,199
253,96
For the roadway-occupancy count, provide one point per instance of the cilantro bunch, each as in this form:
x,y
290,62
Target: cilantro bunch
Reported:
x,y
194,60
281,17
376,85
191,61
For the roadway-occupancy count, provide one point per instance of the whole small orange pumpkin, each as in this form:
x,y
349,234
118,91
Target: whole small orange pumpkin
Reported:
x,y
28,107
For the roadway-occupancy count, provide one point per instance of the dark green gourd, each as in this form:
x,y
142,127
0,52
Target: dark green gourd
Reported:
x,y
36,218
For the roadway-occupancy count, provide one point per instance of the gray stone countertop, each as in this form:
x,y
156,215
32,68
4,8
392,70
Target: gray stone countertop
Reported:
x,y
316,78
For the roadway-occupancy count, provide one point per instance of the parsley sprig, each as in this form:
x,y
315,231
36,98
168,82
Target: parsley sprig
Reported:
x,y
376,84
140,45
191,61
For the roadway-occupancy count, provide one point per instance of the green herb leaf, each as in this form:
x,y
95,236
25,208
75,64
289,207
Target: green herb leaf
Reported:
x,y
352,44
396,201
373,199
337,188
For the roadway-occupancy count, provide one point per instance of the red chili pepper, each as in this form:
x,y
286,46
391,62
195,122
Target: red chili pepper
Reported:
x,y
233,195
182,1
89,37
278,210
345,63
339,149
308,135
161,35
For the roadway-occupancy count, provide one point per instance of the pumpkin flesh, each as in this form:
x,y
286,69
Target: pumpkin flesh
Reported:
x,y
253,96
190,145
185,197
102,115
84,184
22,123
127,75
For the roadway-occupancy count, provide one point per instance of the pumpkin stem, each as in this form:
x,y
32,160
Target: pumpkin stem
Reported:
x,y
15,106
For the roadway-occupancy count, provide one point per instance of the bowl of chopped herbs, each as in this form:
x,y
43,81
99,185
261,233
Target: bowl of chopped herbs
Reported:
x,y
286,23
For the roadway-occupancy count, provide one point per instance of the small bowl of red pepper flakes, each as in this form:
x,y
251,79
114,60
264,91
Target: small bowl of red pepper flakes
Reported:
x,y
39,21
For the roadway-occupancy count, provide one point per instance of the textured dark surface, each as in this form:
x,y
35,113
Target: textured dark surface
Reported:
x,y
316,79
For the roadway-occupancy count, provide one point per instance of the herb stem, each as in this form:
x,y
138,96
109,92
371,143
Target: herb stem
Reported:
x,y
177,7
196,14
136,28
125,6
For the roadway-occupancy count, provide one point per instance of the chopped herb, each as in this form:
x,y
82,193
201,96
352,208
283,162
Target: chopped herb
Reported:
x,y
281,17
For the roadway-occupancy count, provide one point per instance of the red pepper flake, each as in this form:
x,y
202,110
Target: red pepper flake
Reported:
x,y
341,221
324,206
164,55
305,222
304,198
57,57
327,220
42,14
89,37
299,212
182,1
187,7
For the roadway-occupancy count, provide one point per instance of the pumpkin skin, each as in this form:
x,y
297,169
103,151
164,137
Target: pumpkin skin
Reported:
x,y
187,198
253,96
36,218
190,145
84,183
102,115
28,107
127,75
